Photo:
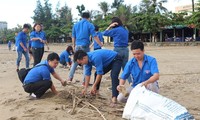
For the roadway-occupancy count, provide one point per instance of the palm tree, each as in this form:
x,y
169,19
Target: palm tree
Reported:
x,y
117,3
104,6
153,6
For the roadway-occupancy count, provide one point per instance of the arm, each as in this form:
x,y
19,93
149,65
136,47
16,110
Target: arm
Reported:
x,y
45,42
87,81
91,44
53,89
152,79
121,83
98,41
55,75
36,38
22,45
111,25
98,79
73,43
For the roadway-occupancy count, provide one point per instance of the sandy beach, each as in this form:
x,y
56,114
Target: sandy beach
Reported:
x,y
179,80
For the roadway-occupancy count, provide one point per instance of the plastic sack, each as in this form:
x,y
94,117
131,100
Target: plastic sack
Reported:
x,y
144,104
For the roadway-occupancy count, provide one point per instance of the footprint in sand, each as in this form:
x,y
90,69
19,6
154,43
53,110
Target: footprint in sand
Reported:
x,y
7,102
12,118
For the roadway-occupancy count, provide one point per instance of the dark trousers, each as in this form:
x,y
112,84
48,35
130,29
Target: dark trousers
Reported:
x,y
115,67
37,55
38,88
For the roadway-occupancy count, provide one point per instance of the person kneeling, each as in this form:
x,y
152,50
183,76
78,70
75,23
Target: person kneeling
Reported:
x,y
143,69
38,79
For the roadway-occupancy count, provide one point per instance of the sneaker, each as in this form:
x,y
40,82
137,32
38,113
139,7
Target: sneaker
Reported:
x,y
32,96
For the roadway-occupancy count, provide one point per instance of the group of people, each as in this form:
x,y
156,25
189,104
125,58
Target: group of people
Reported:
x,y
35,48
141,68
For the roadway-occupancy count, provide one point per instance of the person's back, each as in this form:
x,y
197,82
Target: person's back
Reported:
x,y
81,38
38,80
101,57
40,72
82,31
120,36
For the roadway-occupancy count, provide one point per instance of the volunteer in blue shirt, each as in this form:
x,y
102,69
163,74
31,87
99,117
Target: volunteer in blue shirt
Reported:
x,y
120,39
104,61
22,46
9,45
65,56
100,36
38,79
81,38
38,39
143,68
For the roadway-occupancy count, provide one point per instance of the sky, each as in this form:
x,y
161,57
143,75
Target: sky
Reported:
x,y
16,12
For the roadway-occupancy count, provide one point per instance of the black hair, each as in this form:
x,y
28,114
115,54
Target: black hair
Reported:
x,y
78,55
85,15
137,45
69,48
116,19
26,26
53,56
36,25
96,27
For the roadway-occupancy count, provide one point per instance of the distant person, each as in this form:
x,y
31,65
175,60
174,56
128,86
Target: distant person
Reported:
x,y
38,39
143,68
22,46
120,36
100,36
65,57
38,79
104,61
15,45
9,45
81,38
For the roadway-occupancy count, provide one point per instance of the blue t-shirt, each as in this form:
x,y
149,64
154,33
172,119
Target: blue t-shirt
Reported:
x,y
65,56
132,68
100,59
100,36
37,43
81,32
39,73
21,38
120,36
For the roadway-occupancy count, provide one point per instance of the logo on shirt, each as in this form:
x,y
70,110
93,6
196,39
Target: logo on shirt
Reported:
x,y
147,71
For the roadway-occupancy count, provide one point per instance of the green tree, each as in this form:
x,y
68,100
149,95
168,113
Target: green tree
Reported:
x,y
80,9
104,6
117,3
195,17
39,14
124,12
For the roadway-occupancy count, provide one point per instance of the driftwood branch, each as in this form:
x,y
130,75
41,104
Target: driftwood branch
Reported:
x,y
86,103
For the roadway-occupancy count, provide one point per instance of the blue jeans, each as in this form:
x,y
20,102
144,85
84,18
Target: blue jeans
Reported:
x,y
124,53
115,67
75,64
19,57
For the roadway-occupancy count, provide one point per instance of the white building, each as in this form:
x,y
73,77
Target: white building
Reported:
x,y
3,25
